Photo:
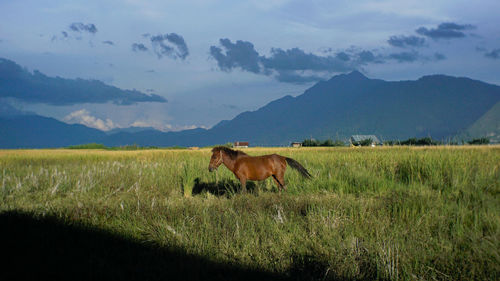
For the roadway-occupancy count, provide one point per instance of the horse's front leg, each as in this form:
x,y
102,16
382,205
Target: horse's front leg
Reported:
x,y
242,177
243,182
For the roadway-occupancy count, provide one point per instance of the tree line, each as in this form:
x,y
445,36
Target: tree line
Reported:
x,y
411,141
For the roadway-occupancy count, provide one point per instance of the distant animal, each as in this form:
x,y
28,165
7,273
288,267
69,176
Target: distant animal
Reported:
x,y
246,167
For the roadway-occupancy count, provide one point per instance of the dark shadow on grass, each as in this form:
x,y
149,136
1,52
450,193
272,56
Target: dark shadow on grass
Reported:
x,y
49,249
309,267
223,187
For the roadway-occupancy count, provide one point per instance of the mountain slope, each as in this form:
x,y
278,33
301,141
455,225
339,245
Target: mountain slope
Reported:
x,y
32,131
486,126
437,105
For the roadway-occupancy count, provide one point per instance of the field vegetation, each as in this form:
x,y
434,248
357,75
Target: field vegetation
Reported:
x,y
384,213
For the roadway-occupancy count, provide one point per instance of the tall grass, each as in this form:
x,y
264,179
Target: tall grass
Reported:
x,y
368,213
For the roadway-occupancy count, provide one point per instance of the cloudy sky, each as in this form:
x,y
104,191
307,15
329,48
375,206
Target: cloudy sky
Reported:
x,y
211,60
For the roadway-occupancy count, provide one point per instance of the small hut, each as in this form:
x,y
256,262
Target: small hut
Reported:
x,y
296,144
240,144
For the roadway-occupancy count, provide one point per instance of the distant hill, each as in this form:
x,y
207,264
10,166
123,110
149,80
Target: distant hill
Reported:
x,y
193,137
439,106
32,131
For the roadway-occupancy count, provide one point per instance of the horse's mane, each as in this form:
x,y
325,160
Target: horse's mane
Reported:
x,y
233,154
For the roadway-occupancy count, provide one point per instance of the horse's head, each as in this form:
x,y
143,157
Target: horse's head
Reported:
x,y
215,160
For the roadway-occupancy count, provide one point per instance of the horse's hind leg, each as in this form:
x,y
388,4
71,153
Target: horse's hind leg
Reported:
x,y
280,182
277,183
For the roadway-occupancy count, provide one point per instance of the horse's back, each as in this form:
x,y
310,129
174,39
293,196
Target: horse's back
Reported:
x,y
270,159
260,167
263,160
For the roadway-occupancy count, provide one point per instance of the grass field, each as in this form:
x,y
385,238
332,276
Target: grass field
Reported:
x,y
391,213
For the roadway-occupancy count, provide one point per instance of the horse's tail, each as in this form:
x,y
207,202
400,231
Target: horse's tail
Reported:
x,y
296,165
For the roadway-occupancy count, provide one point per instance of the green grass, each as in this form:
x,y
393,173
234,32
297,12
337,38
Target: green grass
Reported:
x,y
368,213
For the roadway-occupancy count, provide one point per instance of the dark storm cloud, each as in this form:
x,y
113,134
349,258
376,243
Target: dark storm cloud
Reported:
x,y
480,49
343,56
403,41
494,54
413,56
293,77
439,56
366,57
285,65
179,42
446,30
107,42
64,36
81,27
36,87
139,47
77,29
292,65
298,66
240,54
171,45
404,56
297,59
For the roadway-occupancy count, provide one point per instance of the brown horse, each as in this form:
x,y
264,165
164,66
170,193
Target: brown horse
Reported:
x,y
246,167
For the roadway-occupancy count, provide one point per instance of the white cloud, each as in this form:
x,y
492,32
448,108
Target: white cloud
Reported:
x,y
154,124
83,117
188,127
164,127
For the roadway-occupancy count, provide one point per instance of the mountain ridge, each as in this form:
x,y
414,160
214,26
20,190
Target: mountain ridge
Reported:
x,y
439,105
325,103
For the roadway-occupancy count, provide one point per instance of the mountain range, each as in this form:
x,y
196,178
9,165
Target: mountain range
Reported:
x,y
440,106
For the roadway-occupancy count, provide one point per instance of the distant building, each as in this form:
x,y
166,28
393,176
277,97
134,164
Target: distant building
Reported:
x,y
240,144
296,144
355,140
